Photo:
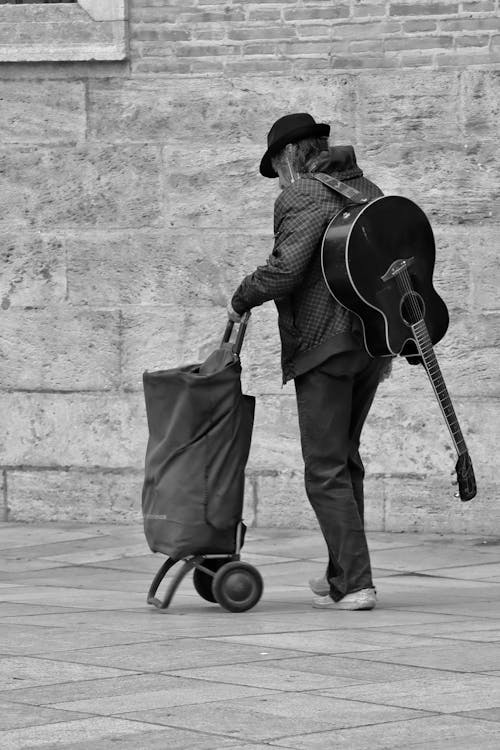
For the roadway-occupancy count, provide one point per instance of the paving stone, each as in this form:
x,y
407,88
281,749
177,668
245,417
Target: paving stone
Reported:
x,y
211,620
81,577
301,545
482,571
311,620
292,573
234,719
148,620
391,541
98,541
180,691
99,555
73,597
267,717
159,738
14,715
487,608
458,657
24,535
148,563
19,611
448,693
24,671
55,734
333,640
430,601
434,732
490,714
12,565
90,689
32,639
430,557
264,676
257,558
194,677
465,629
354,669
426,590
176,654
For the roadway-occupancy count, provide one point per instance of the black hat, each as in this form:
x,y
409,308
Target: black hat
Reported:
x,y
289,129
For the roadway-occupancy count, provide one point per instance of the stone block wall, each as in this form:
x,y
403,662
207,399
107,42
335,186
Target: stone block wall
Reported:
x,y
132,207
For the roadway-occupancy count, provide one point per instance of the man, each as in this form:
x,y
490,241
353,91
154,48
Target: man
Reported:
x,y
322,349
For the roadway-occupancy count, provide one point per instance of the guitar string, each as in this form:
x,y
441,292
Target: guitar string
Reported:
x,y
407,287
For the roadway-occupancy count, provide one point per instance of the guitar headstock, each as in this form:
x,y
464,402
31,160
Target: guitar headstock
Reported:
x,y
465,478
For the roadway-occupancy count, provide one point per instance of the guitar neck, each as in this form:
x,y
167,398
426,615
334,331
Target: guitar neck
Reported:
x,y
433,370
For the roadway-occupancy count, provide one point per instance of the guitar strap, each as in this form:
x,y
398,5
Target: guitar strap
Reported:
x,y
340,187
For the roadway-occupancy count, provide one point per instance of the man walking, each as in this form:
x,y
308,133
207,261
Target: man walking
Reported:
x,y
322,347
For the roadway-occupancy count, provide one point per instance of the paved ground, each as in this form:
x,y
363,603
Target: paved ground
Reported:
x,y
86,663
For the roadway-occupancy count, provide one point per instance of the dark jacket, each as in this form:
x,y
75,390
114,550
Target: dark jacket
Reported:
x,y
312,325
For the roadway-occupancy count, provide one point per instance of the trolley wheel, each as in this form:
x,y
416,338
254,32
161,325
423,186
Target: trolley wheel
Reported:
x,y
237,586
203,581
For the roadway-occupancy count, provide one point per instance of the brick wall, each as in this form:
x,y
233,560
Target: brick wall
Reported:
x,y
249,38
132,207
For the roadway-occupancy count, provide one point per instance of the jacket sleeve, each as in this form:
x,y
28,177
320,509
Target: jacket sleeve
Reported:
x,y
300,224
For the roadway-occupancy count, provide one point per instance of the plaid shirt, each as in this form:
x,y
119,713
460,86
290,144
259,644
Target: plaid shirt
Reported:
x,y
312,325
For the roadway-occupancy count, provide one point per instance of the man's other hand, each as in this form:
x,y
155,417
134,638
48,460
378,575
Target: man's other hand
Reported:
x,y
232,314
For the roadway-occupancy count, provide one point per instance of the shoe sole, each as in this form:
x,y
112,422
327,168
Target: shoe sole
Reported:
x,y
349,607
366,608
363,608
319,592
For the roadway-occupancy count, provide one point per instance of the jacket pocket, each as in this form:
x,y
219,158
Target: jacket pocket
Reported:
x,y
290,335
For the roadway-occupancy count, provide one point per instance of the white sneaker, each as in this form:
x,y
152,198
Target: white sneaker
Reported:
x,y
364,599
319,586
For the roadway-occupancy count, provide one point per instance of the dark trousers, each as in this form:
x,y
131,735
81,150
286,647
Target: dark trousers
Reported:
x,y
333,402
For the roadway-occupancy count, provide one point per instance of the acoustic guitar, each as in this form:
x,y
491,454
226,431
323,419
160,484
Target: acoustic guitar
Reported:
x,y
378,259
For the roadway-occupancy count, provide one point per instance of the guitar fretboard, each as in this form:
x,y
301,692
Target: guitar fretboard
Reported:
x,y
433,370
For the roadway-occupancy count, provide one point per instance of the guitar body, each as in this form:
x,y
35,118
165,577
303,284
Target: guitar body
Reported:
x,y
359,246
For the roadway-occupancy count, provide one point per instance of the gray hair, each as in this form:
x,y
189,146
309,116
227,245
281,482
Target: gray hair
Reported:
x,y
307,148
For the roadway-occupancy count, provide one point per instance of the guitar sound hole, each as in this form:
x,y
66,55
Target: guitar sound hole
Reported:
x,y
412,308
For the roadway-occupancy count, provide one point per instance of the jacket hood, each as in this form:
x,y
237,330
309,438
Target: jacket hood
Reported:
x,y
338,160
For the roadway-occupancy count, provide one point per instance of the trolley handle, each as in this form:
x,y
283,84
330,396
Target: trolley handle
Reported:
x,y
241,332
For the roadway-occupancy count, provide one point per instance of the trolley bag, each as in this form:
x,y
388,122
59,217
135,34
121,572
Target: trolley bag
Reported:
x,y
200,428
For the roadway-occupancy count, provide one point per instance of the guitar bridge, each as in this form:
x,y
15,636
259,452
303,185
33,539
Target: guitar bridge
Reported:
x,y
397,267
